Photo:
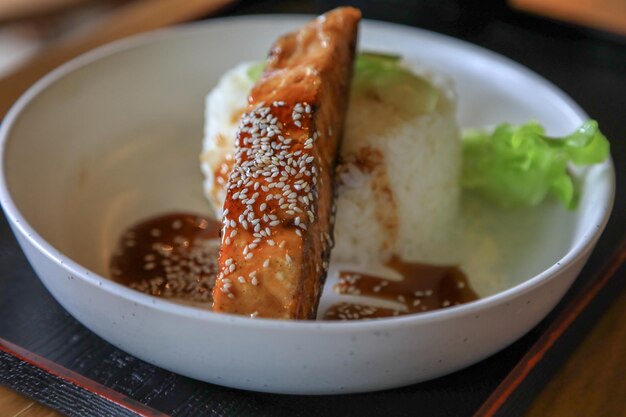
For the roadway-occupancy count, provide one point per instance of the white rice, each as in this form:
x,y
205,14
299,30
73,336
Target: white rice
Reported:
x,y
398,188
227,99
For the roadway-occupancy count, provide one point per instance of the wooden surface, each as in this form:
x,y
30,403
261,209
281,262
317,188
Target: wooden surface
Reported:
x,y
591,383
136,17
13,404
609,15
16,9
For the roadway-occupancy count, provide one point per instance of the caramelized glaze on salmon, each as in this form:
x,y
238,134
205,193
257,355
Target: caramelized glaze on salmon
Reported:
x,y
278,215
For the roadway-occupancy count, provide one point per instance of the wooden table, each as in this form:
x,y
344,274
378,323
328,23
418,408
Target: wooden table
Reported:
x,y
591,383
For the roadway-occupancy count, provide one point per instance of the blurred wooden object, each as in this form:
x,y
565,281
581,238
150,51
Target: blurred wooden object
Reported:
x,y
136,17
13,404
608,15
591,383
17,9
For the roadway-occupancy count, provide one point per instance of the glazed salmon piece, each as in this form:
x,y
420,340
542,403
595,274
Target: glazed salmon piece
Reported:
x,y
278,215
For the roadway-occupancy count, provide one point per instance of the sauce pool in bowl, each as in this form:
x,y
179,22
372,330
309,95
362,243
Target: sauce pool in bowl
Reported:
x,y
174,256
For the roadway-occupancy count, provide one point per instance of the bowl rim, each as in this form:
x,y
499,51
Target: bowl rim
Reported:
x,y
20,224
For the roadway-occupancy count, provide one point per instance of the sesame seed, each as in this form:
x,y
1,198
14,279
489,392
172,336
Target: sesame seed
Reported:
x,y
264,159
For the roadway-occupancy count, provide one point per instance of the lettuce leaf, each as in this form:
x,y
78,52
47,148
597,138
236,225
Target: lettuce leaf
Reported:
x,y
517,166
384,76
256,70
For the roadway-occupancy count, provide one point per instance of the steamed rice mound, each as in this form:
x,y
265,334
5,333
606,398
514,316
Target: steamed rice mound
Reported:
x,y
398,179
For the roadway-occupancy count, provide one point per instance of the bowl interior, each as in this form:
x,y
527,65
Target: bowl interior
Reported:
x,y
116,139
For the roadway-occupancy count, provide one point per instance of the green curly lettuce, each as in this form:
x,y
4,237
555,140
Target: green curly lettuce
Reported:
x,y
517,166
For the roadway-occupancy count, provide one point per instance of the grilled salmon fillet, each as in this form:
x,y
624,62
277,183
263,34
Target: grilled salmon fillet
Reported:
x,y
278,211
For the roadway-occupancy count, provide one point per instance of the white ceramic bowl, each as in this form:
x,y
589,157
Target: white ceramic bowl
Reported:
x,y
113,137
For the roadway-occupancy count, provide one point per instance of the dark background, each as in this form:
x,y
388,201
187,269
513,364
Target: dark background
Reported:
x,y
588,65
